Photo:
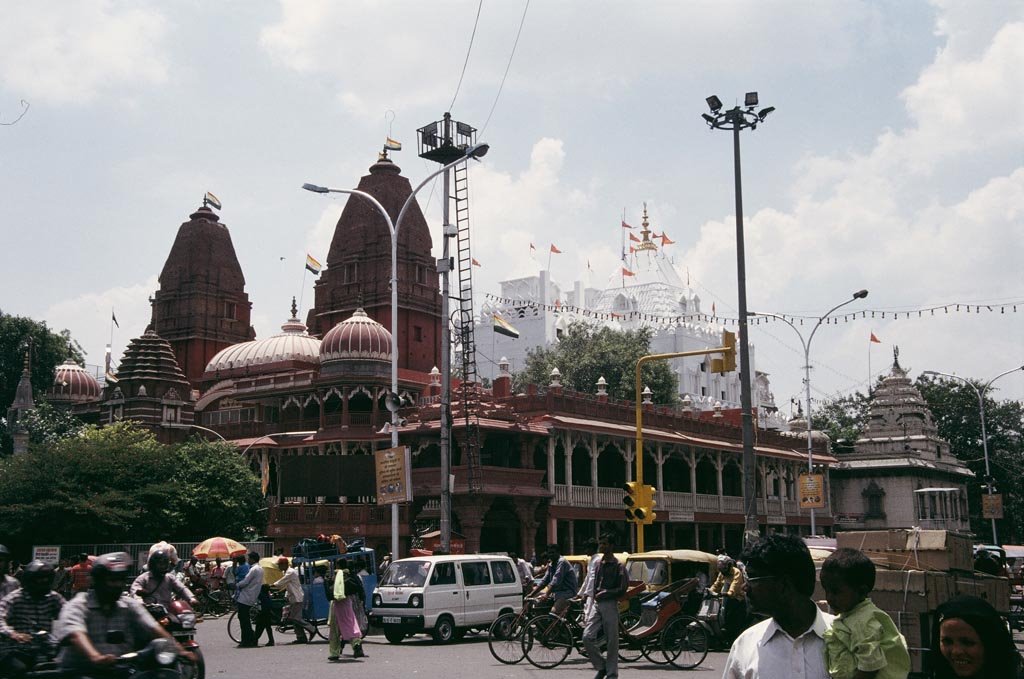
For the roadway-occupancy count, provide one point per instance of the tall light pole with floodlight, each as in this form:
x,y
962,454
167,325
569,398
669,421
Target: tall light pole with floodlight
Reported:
x,y
860,294
472,152
736,119
984,435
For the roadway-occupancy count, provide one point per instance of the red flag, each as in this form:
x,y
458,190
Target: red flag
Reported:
x,y
475,263
626,226
627,272
632,249
875,339
634,238
665,240
654,235
555,250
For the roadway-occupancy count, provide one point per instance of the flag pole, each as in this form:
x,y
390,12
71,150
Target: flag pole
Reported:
x,y
869,365
302,288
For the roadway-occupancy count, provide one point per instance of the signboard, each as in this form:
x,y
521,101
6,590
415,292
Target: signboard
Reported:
x,y
394,475
48,554
812,491
992,506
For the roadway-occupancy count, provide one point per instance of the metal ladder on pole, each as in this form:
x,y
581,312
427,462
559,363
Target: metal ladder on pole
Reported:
x,y
469,391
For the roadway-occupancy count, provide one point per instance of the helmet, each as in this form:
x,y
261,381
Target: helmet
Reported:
x,y
37,578
159,562
110,574
4,552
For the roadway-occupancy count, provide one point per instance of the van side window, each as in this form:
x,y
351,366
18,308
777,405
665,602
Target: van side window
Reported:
x,y
503,572
444,574
475,573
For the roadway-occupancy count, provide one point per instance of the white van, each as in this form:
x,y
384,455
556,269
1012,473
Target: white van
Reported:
x,y
445,595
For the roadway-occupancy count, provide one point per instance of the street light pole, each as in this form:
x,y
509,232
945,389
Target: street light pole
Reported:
x,y
860,294
984,435
737,119
471,152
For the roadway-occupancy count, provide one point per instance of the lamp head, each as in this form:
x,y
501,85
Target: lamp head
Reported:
x,y
710,120
478,151
314,188
929,373
714,103
764,113
750,99
860,294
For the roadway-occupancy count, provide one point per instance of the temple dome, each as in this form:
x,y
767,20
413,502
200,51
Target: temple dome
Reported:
x,y
73,384
356,338
289,348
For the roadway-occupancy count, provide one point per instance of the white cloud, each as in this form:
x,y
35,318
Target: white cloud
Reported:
x,y
78,51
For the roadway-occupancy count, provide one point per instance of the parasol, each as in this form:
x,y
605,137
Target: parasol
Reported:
x,y
218,548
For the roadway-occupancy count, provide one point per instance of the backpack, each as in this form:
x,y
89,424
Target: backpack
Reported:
x,y
354,586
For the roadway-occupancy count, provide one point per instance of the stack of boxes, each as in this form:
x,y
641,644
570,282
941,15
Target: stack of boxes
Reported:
x,y
917,571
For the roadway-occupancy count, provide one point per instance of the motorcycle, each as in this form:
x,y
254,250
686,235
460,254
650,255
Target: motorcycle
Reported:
x,y
180,622
158,660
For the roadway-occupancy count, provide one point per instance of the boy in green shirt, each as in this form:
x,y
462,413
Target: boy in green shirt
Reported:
x,y
863,642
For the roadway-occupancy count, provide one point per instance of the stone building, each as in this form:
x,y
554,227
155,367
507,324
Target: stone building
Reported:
x,y
901,474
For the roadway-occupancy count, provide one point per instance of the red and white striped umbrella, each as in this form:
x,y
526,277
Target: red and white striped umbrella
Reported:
x,y
218,548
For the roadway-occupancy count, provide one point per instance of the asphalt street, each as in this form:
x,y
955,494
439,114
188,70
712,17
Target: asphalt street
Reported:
x,y
415,657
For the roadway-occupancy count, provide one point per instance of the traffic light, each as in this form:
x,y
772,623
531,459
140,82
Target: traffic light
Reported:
x,y
650,492
639,501
727,363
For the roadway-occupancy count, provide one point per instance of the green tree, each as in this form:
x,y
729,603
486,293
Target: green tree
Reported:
x,y
843,419
585,353
49,349
49,425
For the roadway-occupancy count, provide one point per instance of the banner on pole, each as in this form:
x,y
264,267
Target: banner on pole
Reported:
x,y
812,491
992,506
394,475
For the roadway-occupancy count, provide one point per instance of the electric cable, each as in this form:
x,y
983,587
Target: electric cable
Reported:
x,y
469,49
515,44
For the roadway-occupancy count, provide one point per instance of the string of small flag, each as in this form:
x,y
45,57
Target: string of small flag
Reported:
x,y
952,307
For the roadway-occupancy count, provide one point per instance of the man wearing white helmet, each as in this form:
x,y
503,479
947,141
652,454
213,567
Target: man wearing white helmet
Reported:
x,y
731,584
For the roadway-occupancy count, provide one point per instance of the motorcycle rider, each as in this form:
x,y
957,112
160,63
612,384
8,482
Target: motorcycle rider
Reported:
x,y
7,583
86,622
732,581
25,612
155,586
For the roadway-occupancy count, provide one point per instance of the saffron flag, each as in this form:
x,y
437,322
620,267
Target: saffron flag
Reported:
x,y
555,250
211,199
634,238
627,272
392,145
533,248
503,327
625,225
475,263
114,318
654,235
311,264
875,339
665,240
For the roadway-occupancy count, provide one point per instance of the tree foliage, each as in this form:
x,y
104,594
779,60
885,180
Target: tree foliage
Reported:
x,y
585,353
843,419
49,349
119,484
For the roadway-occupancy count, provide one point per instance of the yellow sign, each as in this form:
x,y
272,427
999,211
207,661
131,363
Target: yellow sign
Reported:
x,y
812,491
394,475
992,506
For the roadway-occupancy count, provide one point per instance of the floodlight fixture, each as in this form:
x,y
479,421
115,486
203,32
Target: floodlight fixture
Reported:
x,y
750,99
714,103
709,119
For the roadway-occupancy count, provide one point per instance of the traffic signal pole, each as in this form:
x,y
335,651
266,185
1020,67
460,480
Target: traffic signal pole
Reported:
x,y
728,352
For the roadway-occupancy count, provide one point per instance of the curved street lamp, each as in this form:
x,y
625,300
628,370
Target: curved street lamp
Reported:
x,y
736,119
475,152
860,294
984,435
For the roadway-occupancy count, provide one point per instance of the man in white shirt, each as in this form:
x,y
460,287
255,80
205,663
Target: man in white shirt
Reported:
x,y
790,644
290,583
587,588
248,592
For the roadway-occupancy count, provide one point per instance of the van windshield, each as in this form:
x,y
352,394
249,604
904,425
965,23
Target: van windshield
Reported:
x,y
406,574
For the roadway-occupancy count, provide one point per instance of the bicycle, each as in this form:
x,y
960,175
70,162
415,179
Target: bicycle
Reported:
x,y
504,637
548,638
280,625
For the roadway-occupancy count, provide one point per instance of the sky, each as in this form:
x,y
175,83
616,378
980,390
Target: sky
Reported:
x,y
894,160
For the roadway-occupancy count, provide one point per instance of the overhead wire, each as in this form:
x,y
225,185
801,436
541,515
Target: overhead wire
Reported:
x,y
508,66
469,50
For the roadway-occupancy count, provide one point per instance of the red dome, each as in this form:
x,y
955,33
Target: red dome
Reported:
x,y
356,338
73,383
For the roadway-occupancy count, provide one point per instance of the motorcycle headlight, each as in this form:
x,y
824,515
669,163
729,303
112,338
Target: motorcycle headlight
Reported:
x,y
416,601
187,620
377,600
166,658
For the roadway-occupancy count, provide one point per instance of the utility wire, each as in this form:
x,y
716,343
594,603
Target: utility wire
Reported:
x,y
507,67
469,49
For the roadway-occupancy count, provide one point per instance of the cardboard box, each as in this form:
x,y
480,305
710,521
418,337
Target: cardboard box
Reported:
x,y
912,549
912,591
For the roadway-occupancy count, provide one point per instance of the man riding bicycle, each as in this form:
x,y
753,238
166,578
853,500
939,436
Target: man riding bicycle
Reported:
x,y
560,581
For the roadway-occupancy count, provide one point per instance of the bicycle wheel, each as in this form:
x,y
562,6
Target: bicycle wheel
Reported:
x,y
546,641
631,649
684,643
234,628
504,638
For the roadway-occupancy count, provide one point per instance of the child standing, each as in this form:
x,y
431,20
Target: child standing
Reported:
x,y
863,642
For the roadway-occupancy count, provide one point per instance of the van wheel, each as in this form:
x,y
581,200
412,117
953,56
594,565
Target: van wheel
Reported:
x,y
444,630
393,635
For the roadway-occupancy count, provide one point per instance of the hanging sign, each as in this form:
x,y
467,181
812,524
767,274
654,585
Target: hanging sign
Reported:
x,y
394,475
992,506
812,491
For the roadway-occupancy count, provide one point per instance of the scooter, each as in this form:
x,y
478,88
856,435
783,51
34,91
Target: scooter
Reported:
x,y
180,622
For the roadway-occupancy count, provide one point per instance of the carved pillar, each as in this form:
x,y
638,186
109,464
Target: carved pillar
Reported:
x,y
567,446
471,510
525,458
627,454
659,460
374,408
345,421
718,472
551,464
323,415
526,512
593,465
692,458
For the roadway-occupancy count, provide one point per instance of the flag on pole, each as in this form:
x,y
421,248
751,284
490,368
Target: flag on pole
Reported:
x,y
211,199
875,339
654,235
627,272
533,249
392,145
312,265
713,312
589,268
555,250
475,263
114,318
634,238
503,327
627,226
665,240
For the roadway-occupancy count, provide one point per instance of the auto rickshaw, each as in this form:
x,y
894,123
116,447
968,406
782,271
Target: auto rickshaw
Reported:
x,y
662,567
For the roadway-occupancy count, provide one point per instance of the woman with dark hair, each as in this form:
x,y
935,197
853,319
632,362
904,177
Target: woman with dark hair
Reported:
x,y
971,639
